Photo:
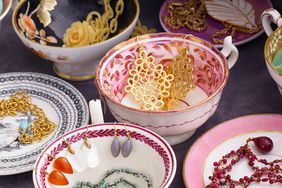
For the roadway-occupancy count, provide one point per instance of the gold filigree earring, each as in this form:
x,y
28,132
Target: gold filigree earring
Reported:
x,y
148,82
182,70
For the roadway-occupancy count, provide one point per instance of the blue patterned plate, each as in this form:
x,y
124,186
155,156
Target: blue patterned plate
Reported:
x,y
62,104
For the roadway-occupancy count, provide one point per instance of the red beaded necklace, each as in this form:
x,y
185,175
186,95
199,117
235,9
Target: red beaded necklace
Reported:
x,y
270,172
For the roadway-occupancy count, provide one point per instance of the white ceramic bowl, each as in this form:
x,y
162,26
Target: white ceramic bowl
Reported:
x,y
211,70
5,6
150,155
273,43
77,63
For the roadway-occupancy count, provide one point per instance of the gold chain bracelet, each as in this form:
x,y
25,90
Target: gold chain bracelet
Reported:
x,y
40,127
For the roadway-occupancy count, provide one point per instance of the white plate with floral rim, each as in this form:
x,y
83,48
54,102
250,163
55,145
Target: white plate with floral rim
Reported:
x,y
62,104
151,156
230,135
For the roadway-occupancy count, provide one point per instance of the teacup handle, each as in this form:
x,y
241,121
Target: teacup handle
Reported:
x,y
230,51
96,111
268,16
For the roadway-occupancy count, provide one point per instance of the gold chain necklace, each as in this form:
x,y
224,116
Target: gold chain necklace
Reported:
x,y
191,14
40,127
231,30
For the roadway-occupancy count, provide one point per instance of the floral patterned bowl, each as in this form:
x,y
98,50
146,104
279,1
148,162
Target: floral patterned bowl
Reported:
x,y
273,45
151,156
46,26
211,70
5,6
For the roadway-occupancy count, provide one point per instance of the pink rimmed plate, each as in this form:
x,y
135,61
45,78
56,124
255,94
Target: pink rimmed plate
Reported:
x,y
151,155
228,136
214,26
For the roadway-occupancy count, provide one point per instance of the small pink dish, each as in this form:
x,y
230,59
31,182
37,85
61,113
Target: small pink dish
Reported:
x,y
227,136
151,155
211,70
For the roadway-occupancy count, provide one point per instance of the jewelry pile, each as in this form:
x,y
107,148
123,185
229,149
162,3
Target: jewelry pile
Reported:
x,y
192,14
157,87
30,130
126,147
96,28
78,160
82,158
270,172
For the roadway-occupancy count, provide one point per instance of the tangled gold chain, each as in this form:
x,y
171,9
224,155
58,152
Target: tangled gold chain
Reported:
x,y
231,30
107,23
20,102
190,14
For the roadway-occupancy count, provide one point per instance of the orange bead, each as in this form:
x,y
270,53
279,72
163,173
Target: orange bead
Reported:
x,y
63,165
57,178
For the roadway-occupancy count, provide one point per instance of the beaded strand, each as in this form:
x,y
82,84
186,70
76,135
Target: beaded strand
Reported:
x,y
271,172
102,183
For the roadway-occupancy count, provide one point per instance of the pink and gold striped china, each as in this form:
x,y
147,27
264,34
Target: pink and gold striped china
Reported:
x,y
273,45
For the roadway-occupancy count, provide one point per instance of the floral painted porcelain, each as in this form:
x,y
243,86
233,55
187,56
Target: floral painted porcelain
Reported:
x,y
62,103
151,155
5,6
211,70
273,45
230,135
42,25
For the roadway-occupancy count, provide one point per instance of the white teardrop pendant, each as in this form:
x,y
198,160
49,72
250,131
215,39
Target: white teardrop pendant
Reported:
x,y
91,154
77,160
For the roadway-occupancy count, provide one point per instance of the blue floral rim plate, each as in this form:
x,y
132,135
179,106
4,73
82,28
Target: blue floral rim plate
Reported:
x,y
62,104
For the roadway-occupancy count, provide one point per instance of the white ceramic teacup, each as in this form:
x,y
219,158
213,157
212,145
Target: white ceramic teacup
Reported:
x,y
211,70
273,45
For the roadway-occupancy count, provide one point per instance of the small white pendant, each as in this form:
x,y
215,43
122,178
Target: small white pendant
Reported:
x,y
77,160
91,155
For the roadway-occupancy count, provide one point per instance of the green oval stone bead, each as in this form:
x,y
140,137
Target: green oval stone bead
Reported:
x,y
277,61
